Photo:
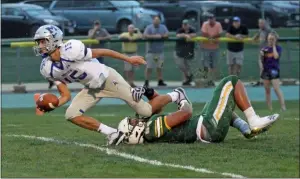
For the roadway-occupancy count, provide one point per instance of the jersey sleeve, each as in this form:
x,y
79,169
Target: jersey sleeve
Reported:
x,y
156,128
75,50
45,72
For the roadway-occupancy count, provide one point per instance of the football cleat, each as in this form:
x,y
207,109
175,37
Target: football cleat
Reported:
x,y
181,96
186,106
259,123
254,133
137,93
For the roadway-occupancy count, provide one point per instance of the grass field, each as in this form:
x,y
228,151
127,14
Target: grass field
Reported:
x,y
275,154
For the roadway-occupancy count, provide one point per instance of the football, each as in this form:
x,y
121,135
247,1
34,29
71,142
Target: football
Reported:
x,y
47,102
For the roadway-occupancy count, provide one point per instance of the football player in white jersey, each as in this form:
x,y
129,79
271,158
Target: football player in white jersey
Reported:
x,y
69,62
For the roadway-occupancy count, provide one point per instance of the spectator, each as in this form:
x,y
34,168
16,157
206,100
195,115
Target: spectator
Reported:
x,y
235,53
210,50
262,37
99,33
130,49
184,51
269,62
155,50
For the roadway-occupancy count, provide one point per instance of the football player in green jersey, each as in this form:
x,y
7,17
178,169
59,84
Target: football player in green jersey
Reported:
x,y
210,126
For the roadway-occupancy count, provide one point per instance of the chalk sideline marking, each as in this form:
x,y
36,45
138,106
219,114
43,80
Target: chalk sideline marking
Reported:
x,y
109,151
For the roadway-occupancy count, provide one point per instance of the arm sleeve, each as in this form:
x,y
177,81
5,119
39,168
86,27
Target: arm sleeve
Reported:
x,y
246,31
147,31
279,50
106,33
203,28
220,28
229,30
166,30
179,31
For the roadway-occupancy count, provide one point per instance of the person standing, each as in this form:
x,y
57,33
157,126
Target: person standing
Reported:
x,y
185,51
270,69
262,38
235,50
210,49
130,49
155,50
99,33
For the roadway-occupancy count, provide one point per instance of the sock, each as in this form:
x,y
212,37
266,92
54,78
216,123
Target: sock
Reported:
x,y
104,129
241,125
249,113
173,95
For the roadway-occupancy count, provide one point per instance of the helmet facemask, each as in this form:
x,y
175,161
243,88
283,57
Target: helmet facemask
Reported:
x,y
47,48
134,130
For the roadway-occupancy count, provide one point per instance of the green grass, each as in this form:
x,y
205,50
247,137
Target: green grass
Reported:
x,y
275,154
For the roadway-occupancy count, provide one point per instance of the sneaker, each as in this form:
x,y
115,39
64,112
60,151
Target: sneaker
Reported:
x,y
186,83
254,133
181,96
161,83
259,123
146,84
51,84
115,138
190,78
185,106
137,93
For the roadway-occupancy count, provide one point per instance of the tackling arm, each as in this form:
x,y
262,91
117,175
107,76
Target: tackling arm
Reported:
x,y
180,116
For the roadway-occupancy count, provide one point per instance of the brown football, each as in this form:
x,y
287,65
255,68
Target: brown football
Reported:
x,y
47,101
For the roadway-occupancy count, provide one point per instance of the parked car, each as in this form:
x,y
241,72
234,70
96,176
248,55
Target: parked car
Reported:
x,y
115,16
23,20
177,10
286,11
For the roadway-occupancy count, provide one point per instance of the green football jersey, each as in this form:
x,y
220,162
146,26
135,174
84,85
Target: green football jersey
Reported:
x,y
157,130
217,115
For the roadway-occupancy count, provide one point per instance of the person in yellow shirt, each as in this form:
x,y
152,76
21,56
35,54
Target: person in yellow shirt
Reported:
x,y
130,49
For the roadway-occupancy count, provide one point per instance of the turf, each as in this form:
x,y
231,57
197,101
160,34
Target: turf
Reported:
x,y
275,154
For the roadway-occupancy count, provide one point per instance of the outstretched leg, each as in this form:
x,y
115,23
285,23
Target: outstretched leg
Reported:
x,y
243,102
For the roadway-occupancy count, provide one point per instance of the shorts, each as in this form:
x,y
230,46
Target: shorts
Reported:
x,y
235,58
114,87
217,113
128,66
182,63
271,74
155,60
210,58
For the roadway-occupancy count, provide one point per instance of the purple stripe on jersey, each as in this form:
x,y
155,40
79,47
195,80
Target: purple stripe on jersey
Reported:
x,y
82,111
51,70
67,80
85,51
44,55
58,65
269,62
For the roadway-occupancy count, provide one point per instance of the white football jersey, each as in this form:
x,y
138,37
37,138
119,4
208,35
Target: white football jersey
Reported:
x,y
75,65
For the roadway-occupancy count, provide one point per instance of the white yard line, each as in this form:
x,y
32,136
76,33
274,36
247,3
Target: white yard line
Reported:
x,y
13,125
110,151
